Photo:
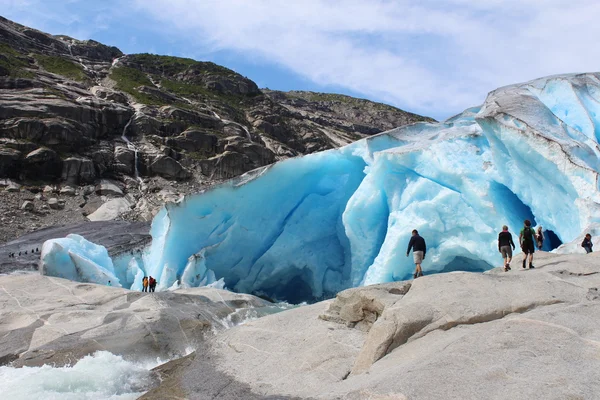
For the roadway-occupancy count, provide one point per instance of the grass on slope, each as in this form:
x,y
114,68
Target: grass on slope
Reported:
x,y
13,62
169,65
333,97
128,79
61,66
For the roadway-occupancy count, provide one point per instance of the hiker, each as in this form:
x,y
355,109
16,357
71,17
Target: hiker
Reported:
x,y
539,237
108,284
145,284
417,244
152,284
506,247
587,243
526,240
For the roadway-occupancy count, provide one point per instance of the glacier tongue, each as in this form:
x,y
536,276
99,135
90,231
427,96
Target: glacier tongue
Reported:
x,y
307,227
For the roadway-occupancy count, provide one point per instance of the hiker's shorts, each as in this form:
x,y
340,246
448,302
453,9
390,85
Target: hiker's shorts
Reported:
x,y
528,247
418,256
506,251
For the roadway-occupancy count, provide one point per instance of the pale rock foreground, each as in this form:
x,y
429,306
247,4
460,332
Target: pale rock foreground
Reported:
x,y
519,335
46,320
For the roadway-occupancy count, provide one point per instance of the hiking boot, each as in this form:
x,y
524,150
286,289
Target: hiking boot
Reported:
x,y
524,264
508,266
420,273
531,266
415,275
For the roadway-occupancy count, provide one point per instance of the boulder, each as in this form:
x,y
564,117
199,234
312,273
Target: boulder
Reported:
x,y
13,187
169,168
28,206
56,204
109,188
48,189
68,191
110,210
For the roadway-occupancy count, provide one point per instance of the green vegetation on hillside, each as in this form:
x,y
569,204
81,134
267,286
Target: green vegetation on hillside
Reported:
x,y
341,98
61,66
185,89
128,79
169,66
13,62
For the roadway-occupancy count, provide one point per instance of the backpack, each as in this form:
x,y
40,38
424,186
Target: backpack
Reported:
x,y
527,234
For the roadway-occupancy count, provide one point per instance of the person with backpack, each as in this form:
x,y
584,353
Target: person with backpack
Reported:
x,y
152,283
539,237
506,247
417,244
145,284
587,243
526,239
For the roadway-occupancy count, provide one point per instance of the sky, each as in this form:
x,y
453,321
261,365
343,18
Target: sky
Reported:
x,y
431,57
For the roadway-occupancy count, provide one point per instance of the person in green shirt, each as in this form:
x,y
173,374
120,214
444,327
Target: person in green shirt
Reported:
x,y
526,239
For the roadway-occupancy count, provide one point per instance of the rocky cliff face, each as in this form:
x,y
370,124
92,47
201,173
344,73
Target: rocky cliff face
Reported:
x,y
74,112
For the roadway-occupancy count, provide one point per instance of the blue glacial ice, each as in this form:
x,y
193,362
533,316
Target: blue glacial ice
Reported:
x,y
305,228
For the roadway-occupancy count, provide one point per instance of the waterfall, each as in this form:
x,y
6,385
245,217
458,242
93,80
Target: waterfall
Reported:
x,y
132,147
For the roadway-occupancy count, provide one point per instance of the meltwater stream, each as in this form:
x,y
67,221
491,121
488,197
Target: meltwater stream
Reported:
x,y
102,375
106,376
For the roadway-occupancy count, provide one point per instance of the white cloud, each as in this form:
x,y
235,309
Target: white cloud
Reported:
x,y
430,56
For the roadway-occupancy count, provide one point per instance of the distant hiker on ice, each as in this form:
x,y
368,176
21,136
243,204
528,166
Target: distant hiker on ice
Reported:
x,y
587,243
526,240
539,237
145,284
152,284
417,244
506,246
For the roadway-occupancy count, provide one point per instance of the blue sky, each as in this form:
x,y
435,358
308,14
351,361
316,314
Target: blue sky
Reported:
x,y
431,57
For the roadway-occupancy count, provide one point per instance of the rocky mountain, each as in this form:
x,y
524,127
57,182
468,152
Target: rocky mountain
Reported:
x,y
73,113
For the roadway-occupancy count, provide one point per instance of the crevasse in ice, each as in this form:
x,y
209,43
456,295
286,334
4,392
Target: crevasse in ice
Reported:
x,y
307,227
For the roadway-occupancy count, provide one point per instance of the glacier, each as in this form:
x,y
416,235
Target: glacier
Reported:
x,y
308,227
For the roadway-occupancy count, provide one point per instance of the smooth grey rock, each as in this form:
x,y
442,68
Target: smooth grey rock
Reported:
x,y
524,334
110,210
109,188
50,320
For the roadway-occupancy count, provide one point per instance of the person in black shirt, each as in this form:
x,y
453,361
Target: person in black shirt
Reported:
x,y
587,243
417,244
506,246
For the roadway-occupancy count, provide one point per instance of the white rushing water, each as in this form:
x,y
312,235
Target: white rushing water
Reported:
x,y
132,147
102,375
